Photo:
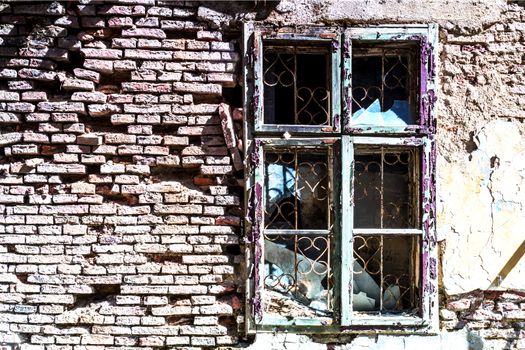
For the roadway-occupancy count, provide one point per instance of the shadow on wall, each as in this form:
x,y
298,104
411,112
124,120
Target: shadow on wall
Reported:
x,y
228,13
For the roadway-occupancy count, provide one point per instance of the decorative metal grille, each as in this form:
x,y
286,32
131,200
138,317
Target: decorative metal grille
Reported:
x,y
298,219
386,188
383,84
386,273
297,192
298,267
296,88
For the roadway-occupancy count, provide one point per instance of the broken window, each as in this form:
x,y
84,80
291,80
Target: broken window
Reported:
x,y
383,85
340,177
297,231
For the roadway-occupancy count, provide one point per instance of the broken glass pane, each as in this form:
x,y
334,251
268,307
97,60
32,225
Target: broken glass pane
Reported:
x,y
384,188
385,273
297,276
382,88
296,189
296,88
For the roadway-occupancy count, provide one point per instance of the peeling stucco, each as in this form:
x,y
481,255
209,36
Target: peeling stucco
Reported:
x,y
481,208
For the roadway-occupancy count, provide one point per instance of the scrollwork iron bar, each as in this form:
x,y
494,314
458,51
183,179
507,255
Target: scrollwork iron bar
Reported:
x,y
316,242
311,98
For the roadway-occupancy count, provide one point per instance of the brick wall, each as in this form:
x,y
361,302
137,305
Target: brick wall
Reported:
x,y
119,204
121,180
495,319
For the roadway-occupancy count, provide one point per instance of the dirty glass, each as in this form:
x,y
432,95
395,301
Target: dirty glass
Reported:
x,y
383,84
385,188
385,273
296,83
296,189
297,275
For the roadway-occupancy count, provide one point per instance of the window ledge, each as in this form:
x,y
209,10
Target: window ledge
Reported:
x,y
361,324
387,320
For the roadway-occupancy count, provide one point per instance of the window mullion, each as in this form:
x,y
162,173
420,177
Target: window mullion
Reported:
x,y
248,30
346,239
336,84
259,203
388,231
429,281
258,77
346,87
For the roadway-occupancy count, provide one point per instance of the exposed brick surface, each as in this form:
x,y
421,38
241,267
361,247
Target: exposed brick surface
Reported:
x,y
99,221
119,174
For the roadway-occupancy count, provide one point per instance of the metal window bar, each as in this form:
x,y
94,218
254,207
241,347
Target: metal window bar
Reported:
x,y
311,104
396,292
398,78
389,213
310,278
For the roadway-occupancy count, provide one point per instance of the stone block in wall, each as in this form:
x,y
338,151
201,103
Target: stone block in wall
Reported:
x,y
53,9
75,107
10,118
9,96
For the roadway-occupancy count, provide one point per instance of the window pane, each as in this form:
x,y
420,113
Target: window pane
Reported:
x,y
296,189
383,87
297,278
296,85
385,273
386,188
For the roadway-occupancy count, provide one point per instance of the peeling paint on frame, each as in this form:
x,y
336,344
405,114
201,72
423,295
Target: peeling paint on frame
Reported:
x,y
258,254
416,136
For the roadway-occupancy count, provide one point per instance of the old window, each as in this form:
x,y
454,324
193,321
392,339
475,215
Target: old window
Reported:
x,y
340,206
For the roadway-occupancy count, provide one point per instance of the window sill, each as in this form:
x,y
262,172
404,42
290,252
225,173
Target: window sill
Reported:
x,y
387,321
360,324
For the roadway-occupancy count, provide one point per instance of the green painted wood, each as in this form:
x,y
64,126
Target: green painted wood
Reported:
x,y
429,247
388,33
347,209
433,253
387,320
273,143
336,84
336,180
257,97
275,232
271,323
387,141
346,87
309,33
259,181
363,324
294,129
396,131
321,36
249,326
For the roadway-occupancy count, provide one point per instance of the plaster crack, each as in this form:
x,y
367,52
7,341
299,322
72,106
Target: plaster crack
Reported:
x,y
494,164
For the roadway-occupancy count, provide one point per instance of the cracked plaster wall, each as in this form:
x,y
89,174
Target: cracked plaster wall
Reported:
x,y
482,209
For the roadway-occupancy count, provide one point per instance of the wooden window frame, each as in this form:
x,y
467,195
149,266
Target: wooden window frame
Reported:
x,y
321,36
342,138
